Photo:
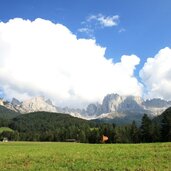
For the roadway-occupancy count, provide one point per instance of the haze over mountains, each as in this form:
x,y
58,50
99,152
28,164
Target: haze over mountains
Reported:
x,y
113,107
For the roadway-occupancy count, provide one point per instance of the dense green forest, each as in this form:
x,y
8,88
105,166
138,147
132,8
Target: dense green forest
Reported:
x,y
45,126
7,113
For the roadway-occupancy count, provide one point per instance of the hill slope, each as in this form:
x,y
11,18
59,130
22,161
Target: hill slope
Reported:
x,y
46,121
6,113
165,122
166,114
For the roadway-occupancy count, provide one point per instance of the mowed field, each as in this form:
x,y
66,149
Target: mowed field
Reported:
x,y
17,156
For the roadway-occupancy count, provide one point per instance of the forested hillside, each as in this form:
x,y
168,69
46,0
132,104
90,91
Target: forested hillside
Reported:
x,y
164,120
45,126
6,113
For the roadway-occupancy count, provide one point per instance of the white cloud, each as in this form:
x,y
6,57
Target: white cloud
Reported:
x,y
104,21
99,21
156,75
122,30
88,31
43,58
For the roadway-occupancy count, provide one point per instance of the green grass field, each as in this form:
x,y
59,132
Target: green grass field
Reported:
x,y
17,156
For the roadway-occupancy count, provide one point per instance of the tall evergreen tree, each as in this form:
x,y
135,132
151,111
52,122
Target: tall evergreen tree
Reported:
x,y
146,129
134,131
166,128
155,132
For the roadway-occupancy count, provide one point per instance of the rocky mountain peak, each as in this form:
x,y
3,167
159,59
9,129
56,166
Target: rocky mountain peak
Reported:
x,y
112,106
94,109
36,104
131,103
49,102
116,105
156,102
111,102
15,102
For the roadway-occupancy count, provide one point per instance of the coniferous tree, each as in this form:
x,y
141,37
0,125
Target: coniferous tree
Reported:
x,y
166,128
146,129
134,133
155,132
82,137
94,136
123,134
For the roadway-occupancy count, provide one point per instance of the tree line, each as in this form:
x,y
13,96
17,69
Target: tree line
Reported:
x,y
43,126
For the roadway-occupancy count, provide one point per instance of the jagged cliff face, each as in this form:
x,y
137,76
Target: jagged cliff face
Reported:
x,y
111,102
34,104
113,106
15,102
116,103
131,103
94,109
156,106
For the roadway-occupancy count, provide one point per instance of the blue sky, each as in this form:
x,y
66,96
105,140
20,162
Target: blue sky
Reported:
x,y
143,27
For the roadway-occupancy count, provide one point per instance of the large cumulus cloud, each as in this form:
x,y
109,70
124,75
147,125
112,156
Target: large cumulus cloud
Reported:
x,y
156,75
42,58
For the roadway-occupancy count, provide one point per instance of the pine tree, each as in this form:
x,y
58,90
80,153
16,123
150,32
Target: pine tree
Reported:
x,y
155,132
134,131
166,128
146,129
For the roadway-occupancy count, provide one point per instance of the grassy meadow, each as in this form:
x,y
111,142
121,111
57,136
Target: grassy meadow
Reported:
x,y
20,156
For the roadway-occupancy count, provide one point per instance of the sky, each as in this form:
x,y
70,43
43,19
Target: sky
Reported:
x,y
75,52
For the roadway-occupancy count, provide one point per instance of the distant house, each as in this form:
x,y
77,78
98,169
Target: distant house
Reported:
x,y
5,140
104,139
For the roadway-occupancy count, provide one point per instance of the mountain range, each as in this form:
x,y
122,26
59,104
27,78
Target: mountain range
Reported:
x,y
113,108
